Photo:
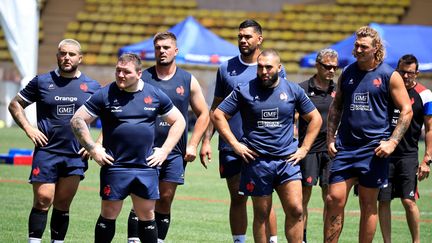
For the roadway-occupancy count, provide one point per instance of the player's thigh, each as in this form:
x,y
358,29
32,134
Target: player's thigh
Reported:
x,y
144,208
65,191
290,195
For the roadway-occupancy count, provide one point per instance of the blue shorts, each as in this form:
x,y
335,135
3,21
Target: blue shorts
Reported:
x,y
230,164
117,183
48,167
371,170
173,169
259,177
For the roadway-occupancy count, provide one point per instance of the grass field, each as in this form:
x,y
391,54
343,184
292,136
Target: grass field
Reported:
x,y
200,210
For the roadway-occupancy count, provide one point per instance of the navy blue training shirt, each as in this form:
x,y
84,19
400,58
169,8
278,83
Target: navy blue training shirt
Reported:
x,y
367,106
57,98
178,89
128,121
268,115
230,74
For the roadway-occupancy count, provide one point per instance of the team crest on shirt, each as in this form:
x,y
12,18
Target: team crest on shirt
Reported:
x,y
377,82
51,86
233,73
180,90
148,100
283,96
36,171
84,87
309,179
351,81
107,190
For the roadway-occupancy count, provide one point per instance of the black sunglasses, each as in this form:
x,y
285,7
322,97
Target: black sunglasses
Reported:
x,y
402,72
328,67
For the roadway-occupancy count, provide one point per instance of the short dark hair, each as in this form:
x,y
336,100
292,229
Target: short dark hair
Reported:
x,y
408,59
164,36
270,52
131,57
251,23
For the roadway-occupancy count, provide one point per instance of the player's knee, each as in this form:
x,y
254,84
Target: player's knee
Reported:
x,y
333,201
62,204
295,212
409,204
42,202
261,215
238,200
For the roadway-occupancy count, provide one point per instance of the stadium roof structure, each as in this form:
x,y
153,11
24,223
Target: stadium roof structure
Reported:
x,y
196,44
398,41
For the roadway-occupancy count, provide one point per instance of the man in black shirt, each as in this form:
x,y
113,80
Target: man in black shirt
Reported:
x,y
320,88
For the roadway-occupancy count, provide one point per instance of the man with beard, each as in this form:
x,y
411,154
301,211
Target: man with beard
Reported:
x,y
320,88
404,166
183,89
360,113
57,166
238,70
267,106
128,110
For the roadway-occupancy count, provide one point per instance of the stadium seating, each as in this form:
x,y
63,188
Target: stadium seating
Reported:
x,y
103,26
106,25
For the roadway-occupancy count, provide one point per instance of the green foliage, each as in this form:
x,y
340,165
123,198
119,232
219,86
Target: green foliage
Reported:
x,y
199,213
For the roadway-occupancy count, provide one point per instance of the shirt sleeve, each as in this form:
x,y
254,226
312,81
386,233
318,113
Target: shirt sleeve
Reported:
x,y
219,88
231,103
94,104
426,97
165,103
31,92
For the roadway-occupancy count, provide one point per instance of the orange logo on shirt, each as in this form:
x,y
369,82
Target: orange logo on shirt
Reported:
x,y
180,90
377,82
84,87
412,101
309,179
148,100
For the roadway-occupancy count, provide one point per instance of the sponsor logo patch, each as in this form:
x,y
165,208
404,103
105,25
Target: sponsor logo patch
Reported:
x,y
65,110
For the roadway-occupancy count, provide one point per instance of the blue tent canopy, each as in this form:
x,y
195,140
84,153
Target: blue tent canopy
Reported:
x,y
197,45
398,41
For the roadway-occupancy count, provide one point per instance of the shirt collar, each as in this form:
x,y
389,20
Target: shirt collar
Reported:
x,y
78,73
140,86
312,85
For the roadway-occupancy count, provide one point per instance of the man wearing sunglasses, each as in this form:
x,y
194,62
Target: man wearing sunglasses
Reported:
x,y
404,163
320,89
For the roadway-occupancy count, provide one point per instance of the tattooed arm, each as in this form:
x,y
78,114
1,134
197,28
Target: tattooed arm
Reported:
x,y
79,123
333,120
401,100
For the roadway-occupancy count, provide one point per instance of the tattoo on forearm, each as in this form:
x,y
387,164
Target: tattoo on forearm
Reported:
x,y
401,127
78,127
333,120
